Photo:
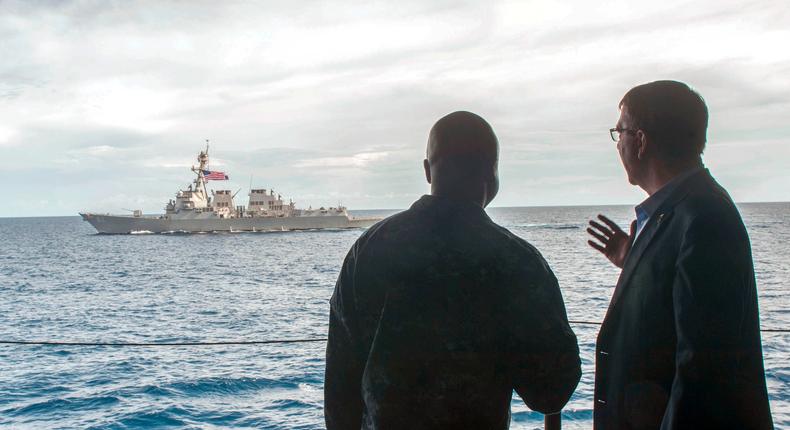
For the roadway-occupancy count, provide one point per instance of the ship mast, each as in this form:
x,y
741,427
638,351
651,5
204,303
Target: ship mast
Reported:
x,y
200,181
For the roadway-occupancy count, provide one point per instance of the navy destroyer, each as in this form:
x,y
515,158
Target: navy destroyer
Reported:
x,y
194,210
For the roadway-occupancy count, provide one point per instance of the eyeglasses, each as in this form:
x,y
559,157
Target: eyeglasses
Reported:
x,y
615,132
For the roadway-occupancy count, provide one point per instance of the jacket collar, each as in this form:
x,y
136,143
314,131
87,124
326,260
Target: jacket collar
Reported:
x,y
447,207
651,204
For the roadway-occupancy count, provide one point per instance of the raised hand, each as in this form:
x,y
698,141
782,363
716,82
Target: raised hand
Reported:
x,y
614,243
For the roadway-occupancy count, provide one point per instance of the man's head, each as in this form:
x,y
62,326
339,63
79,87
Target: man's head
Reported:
x,y
462,158
661,122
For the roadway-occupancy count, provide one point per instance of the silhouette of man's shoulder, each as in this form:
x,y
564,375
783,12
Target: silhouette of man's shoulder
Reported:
x,y
702,200
432,225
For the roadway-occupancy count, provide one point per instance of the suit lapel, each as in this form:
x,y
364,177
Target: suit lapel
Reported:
x,y
652,229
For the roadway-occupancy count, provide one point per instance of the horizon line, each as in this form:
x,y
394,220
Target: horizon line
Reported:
x,y
403,209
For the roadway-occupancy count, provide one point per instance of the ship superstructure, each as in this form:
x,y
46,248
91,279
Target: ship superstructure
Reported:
x,y
194,209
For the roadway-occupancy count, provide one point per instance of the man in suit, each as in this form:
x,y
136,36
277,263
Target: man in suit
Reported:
x,y
439,313
679,347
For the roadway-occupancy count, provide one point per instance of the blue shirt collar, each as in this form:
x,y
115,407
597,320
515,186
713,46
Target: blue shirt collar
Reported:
x,y
650,205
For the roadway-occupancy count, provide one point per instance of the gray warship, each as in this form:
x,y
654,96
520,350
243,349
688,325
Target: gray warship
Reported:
x,y
195,211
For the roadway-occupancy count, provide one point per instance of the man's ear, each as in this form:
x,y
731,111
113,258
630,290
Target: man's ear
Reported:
x,y
642,142
427,166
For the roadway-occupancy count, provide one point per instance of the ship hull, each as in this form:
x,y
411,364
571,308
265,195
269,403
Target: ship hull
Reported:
x,y
119,224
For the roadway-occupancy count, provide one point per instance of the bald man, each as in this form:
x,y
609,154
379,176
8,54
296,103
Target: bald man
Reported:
x,y
439,313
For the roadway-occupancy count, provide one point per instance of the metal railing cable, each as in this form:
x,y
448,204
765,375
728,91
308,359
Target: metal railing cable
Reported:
x,y
584,322
209,343
231,342
762,330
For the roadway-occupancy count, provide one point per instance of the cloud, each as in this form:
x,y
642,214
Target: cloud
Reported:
x,y
355,161
98,150
173,164
6,134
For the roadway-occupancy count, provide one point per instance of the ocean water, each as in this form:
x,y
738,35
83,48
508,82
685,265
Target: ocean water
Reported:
x,y
61,281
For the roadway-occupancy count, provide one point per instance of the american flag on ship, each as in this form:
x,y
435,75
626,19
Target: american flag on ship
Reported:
x,y
213,175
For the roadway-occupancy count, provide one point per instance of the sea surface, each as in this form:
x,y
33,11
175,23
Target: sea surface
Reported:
x,y
59,281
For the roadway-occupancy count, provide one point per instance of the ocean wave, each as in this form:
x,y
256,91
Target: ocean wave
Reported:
x,y
286,404
61,405
227,385
178,232
169,417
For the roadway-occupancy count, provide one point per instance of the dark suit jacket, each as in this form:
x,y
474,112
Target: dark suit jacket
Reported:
x,y
680,345
437,316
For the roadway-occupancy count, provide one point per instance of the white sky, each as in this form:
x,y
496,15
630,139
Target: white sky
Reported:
x,y
104,105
